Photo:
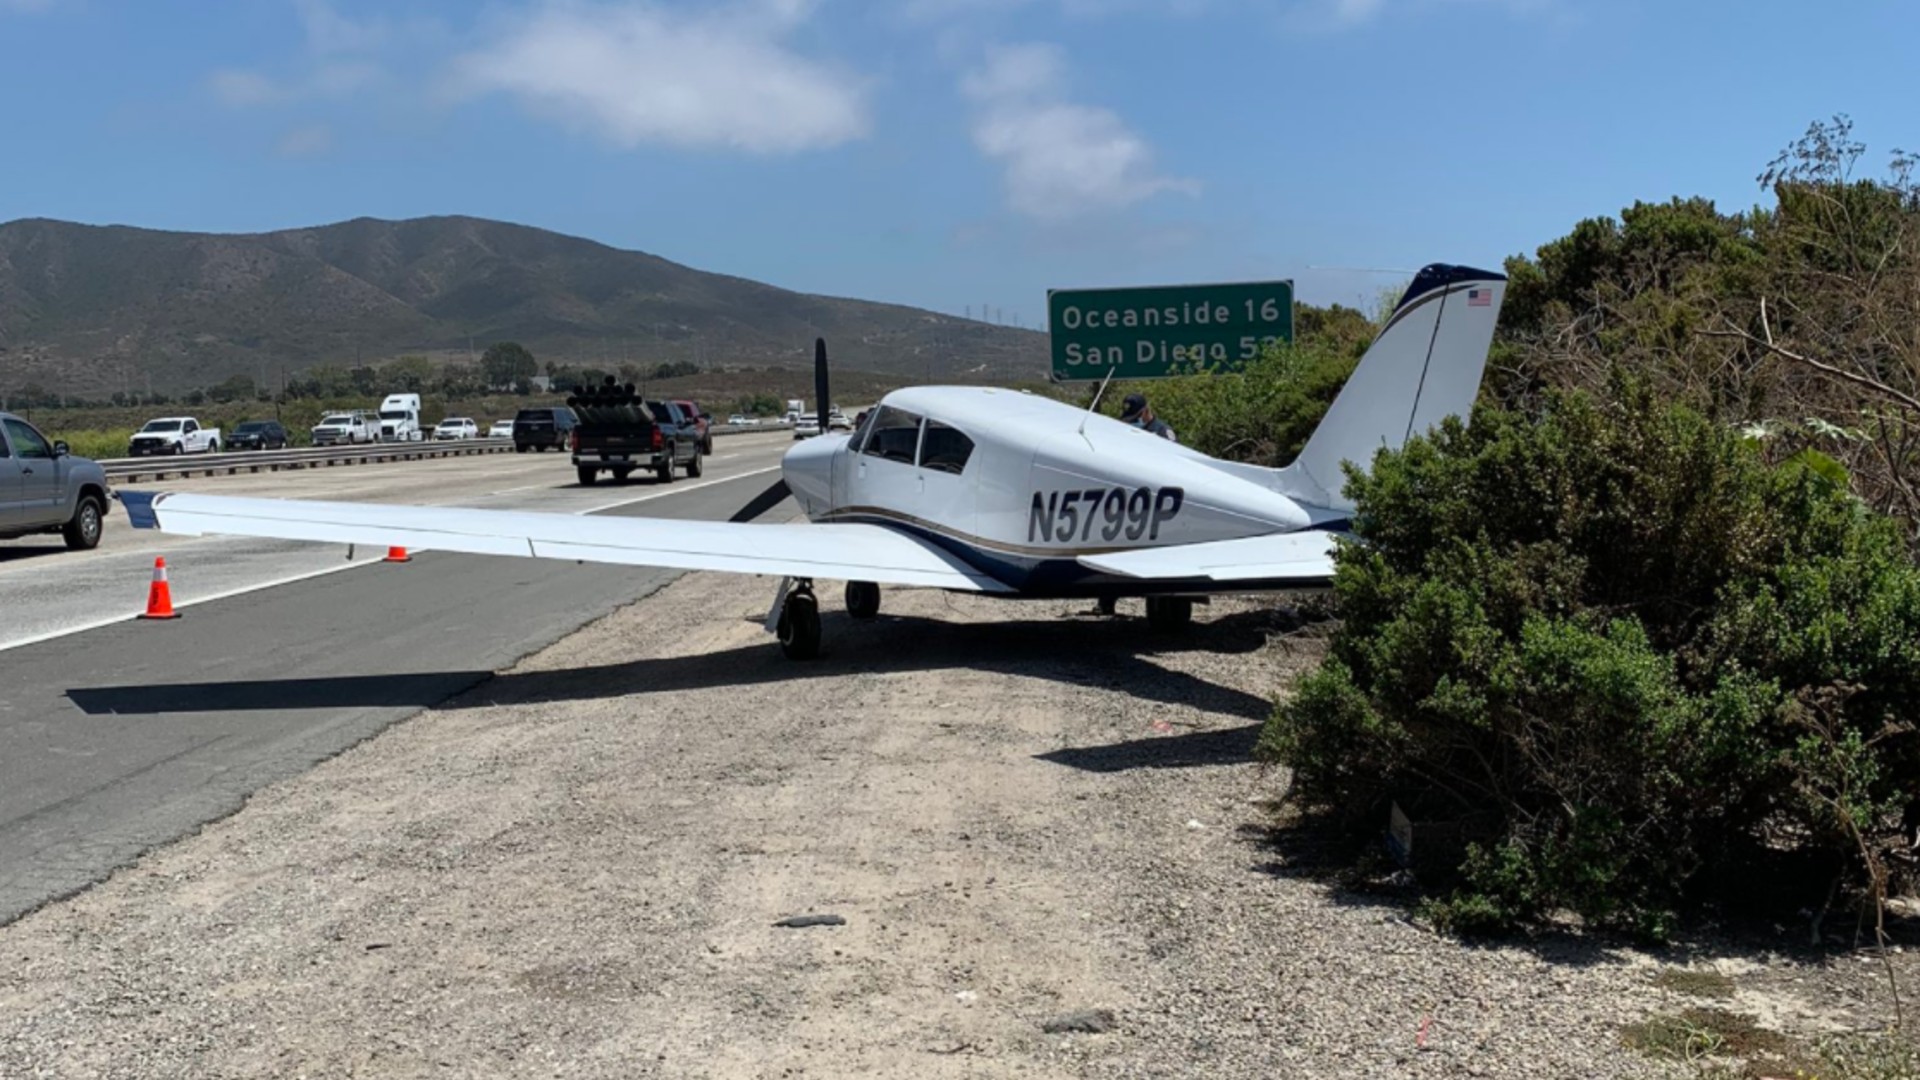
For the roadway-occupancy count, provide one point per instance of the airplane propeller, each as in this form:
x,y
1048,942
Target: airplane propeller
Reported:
x,y
823,402
762,502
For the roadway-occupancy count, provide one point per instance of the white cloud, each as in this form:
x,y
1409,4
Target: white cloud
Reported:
x,y
244,88
1343,14
1061,159
328,31
927,10
306,141
638,72
250,89
339,63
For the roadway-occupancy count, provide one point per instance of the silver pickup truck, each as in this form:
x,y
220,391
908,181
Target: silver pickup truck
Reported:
x,y
43,488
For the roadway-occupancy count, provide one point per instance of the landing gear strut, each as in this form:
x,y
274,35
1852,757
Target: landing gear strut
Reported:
x,y
863,599
799,626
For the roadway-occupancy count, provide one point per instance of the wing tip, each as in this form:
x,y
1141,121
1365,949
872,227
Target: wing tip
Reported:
x,y
140,508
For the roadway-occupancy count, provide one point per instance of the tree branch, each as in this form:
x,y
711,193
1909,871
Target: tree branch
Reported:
x,y
1907,401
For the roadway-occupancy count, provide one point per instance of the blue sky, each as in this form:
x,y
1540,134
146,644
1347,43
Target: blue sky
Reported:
x,y
942,153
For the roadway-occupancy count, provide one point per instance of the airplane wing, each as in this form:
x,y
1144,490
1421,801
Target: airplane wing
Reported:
x,y
1283,560
841,552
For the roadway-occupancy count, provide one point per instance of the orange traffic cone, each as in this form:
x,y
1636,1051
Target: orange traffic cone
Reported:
x,y
397,554
159,595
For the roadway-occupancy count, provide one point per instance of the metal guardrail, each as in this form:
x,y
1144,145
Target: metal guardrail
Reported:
x,y
231,462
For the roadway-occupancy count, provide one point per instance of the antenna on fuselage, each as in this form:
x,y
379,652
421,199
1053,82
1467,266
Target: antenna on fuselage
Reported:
x,y
1096,402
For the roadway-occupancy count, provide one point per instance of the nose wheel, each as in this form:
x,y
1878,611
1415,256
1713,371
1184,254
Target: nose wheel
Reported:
x,y
799,626
863,599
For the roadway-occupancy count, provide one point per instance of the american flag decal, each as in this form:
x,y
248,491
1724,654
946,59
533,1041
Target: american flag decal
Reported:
x,y
1479,297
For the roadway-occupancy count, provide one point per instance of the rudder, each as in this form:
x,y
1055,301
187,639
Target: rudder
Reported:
x,y
1425,365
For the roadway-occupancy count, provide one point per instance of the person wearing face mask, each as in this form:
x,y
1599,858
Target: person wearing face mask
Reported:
x,y
1134,410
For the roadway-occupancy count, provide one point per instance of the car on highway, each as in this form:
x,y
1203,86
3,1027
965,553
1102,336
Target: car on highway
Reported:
x,y
45,489
837,421
344,427
500,429
174,435
456,427
743,420
543,428
621,433
258,435
807,426
701,421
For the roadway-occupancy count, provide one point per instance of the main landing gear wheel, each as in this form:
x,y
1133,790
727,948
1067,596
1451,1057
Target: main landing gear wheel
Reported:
x,y
863,599
800,624
1166,614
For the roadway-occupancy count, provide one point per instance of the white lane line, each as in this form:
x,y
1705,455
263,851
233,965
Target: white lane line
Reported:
x,y
113,619
677,489
353,564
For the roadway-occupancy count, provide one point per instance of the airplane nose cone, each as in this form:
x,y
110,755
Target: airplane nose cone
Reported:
x,y
808,471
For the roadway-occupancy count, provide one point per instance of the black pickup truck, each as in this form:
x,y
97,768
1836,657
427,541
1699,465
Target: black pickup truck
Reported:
x,y
619,432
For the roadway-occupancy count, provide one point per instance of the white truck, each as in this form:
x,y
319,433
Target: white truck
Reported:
x,y
345,427
400,418
794,408
174,435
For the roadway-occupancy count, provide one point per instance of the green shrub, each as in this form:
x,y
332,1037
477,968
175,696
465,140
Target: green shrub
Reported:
x,y
1610,646
1261,414
92,444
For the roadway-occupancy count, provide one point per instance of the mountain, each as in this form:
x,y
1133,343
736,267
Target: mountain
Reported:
x,y
93,309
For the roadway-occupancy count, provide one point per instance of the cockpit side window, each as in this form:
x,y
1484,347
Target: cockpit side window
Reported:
x,y
860,430
945,449
895,435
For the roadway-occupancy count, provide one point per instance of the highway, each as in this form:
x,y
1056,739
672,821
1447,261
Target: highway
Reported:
x,y
90,776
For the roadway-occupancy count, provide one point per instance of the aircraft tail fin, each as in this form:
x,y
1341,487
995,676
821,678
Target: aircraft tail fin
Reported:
x,y
1426,364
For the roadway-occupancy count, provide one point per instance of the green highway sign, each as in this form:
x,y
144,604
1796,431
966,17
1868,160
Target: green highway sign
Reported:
x,y
1150,333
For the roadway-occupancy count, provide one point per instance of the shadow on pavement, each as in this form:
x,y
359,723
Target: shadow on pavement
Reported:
x,y
30,548
1082,651
1225,746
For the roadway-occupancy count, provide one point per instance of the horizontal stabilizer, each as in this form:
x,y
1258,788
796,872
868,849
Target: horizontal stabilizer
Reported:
x,y
840,552
1281,560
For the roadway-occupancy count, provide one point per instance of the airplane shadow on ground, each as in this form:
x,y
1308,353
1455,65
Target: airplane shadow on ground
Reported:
x,y
1076,650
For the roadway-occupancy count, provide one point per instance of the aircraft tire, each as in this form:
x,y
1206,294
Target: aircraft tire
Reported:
x,y
1168,614
588,476
800,627
863,599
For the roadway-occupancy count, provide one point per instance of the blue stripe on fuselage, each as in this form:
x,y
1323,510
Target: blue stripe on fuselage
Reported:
x,y
1040,578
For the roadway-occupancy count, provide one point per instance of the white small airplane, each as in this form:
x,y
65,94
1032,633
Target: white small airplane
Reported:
x,y
975,489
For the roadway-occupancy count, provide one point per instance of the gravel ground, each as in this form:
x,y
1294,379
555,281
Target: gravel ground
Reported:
x,y
1022,813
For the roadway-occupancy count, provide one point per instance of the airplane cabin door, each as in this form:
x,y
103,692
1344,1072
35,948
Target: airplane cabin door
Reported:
x,y
884,480
947,495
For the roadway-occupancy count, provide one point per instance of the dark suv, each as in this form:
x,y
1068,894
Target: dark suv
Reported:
x,y
258,435
543,428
